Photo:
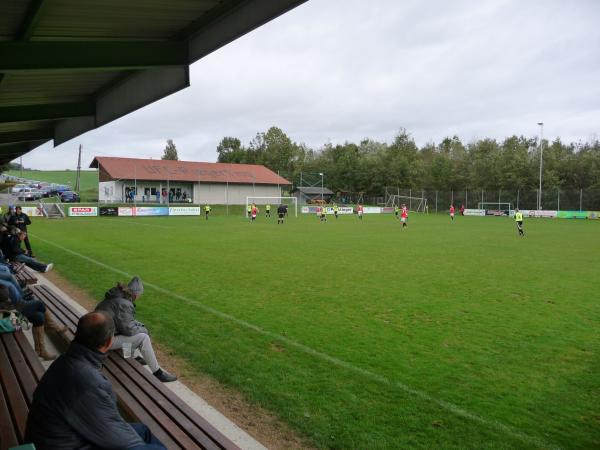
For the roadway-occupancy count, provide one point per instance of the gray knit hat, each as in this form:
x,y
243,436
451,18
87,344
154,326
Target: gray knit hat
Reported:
x,y
135,286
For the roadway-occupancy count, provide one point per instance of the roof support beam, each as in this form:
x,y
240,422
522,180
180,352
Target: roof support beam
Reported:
x,y
46,112
19,57
12,151
32,17
14,137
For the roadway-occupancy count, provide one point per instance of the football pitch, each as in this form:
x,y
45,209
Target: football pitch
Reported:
x,y
363,335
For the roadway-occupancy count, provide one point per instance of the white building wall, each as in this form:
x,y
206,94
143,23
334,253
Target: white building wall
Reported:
x,y
220,194
111,191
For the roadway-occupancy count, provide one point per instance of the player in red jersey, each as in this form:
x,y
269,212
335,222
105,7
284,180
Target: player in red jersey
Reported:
x,y
404,216
253,212
452,212
359,211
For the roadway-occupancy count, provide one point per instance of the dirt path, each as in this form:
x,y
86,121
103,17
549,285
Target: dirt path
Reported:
x,y
259,423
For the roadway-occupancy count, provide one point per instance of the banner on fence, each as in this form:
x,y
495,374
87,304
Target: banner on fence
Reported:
x,y
548,214
32,211
109,211
474,212
126,211
572,214
151,211
372,210
82,211
184,211
593,214
496,212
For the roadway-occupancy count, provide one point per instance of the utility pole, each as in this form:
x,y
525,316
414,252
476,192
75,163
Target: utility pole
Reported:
x,y
78,170
541,124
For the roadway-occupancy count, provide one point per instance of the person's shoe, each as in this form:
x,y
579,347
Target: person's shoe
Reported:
x,y
141,360
164,376
49,267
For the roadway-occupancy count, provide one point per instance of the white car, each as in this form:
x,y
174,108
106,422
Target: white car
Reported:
x,y
18,188
29,194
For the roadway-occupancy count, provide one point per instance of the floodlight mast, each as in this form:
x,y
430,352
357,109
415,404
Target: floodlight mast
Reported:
x,y
541,124
321,173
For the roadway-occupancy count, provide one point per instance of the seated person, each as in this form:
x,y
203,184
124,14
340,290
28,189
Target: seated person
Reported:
x,y
35,311
16,253
74,406
119,304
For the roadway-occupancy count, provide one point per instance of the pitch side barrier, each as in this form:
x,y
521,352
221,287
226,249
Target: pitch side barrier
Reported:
x,y
534,213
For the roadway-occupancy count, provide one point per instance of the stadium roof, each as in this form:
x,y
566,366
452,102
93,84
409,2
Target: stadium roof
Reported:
x,y
69,66
187,171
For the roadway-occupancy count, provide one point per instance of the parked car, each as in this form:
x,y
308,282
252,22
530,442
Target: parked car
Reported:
x,y
18,188
69,197
29,194
58,189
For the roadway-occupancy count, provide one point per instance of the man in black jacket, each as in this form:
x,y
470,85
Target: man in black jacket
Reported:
x,y
21,220
74,406
16,253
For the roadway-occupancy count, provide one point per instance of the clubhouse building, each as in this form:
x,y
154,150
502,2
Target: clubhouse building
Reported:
x,y
124,180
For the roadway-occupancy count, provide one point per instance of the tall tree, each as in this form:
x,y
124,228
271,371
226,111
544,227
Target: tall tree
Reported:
x,y
170,152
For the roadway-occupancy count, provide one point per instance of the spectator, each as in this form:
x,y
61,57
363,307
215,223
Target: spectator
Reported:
x,y
16,253
184,196
164,195
21,220
157,196
7,217
119,303
74,406
35,311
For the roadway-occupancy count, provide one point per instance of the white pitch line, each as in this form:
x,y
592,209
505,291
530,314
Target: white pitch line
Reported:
x,y
451,407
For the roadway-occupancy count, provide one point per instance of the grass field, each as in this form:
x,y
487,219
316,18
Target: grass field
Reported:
x,y
362,335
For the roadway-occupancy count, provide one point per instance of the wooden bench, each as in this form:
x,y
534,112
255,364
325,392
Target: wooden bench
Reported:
x,y
141,397
20,373
27,276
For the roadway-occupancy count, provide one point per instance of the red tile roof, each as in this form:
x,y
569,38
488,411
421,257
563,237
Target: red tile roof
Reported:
x,y
162,170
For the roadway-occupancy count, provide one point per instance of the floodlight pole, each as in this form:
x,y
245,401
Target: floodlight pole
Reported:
x,y
541,124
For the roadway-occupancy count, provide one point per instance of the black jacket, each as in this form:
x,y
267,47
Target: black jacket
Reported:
x,y
74,406
12,246
20,221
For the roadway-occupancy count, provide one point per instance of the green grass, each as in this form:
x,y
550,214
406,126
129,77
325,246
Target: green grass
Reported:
x,y
88,181
362,335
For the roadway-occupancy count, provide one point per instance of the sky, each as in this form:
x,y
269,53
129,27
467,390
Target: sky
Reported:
x,y
332,71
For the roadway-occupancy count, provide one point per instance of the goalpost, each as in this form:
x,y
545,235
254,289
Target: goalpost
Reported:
x,y
417,204
273,201
499,206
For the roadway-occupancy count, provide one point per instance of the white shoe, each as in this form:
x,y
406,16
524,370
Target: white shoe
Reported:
x,y
49,267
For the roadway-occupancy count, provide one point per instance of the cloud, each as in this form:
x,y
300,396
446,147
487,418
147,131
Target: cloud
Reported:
x,y
336,70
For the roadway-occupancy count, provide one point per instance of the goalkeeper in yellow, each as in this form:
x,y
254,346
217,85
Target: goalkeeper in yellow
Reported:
x,y
519,222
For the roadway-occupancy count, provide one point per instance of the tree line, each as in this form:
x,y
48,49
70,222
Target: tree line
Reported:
x,y
370,166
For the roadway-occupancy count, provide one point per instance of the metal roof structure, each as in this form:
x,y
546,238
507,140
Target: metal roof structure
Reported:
x,y
112,168
69,66
313,190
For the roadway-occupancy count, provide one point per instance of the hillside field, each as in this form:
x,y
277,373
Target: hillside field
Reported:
x,y
362,335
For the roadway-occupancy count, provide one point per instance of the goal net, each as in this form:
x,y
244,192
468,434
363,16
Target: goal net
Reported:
x,y
416,204
291,202
497,206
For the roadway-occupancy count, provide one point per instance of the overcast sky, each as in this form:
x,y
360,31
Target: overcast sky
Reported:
x,y
342,70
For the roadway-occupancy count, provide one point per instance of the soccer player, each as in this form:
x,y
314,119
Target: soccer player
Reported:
x,y
519,221
268,211
207,209
452,212
335,210
253,212
396,211
323,216
404,216
359,210
281,212
249,210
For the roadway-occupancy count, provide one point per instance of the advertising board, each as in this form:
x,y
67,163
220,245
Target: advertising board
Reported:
x,y
572,214
82,211
150,211
126,211
593,214
496,212
372,210
474,212
108,211
184,211
545,213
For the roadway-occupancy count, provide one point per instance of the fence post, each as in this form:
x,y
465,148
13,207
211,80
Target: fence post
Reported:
x,y
410,199
436,195
452,196
518,191
482,196
466,198
558,199
580,199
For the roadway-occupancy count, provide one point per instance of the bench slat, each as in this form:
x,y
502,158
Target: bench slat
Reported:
x,y
37,369
8,435
22,370
17,404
